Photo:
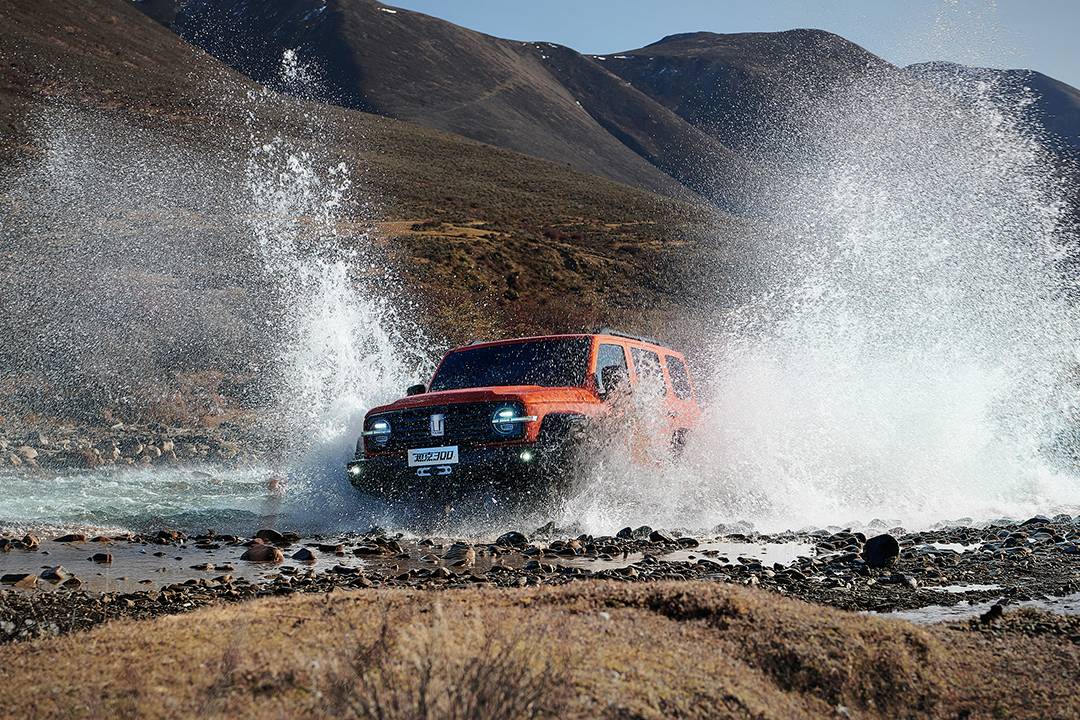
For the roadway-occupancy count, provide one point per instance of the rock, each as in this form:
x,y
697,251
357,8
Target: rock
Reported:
x,y
71,538
30,541
363,550
881,551
626,533
102,558
304,555
659,536
687,542
15,460
338,549
512,539
26,452
545,530
995,612
19,580
37,438
460,555
263,553
344,570
270,536
54,574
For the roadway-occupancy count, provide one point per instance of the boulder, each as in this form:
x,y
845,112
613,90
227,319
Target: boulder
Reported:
x,y
26,452
460,555
102,557
659,536
627,533
71,538
304,555
263,553
512,539
19,580
881,551
54,574
270,536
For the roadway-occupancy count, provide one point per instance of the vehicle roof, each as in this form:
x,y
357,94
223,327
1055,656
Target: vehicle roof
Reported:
x,y
619,339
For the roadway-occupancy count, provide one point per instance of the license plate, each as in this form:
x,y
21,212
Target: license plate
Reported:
x,y
422,457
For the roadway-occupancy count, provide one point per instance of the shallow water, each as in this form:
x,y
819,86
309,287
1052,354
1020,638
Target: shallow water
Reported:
x,y
1067,605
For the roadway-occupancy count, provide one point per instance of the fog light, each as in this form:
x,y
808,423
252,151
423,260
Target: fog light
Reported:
x,y
354,470
526,456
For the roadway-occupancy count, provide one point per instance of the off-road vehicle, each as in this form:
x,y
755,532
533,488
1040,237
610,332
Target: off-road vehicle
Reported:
x,y
518,414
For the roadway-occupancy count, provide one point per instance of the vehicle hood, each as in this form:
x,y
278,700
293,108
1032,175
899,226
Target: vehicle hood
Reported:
x,y
527,394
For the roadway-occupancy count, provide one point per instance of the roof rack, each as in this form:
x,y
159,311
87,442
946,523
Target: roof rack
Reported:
x,y
604,330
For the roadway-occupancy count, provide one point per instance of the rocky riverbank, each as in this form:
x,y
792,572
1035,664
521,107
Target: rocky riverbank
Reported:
x,y
70,446
73,582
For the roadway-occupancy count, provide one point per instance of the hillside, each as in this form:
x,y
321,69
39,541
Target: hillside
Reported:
x,y
154,135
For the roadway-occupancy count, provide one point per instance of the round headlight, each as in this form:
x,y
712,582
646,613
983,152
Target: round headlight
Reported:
x,y
502,420
380,431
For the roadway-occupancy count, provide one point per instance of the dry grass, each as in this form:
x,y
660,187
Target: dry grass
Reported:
x,y
691,650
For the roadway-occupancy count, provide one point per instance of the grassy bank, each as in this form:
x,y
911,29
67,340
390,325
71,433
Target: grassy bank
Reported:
x,y
586,650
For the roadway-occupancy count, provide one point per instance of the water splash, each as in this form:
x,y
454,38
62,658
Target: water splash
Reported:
x,y
912,352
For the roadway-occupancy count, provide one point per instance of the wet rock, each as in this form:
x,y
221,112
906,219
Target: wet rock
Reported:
x,y
71,538
54,574
20,580
26,452
367,550
626,533
30,541
996,612
512,539
102,558
659,536
338,549
304,555
344,570
546,530
263,553
268,535
460,555
881,551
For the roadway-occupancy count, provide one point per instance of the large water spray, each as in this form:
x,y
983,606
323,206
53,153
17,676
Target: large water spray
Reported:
x,y
911,353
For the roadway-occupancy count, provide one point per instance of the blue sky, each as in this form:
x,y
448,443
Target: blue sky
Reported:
x,y
1037,34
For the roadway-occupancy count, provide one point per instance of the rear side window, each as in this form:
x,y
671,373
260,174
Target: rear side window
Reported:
x,y
647,364
680,378
609,356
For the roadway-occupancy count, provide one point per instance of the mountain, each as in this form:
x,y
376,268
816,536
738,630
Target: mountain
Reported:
x,y
1054,105
729,85
139,142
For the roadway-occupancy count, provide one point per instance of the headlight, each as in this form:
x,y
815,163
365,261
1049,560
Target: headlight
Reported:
x,y
508,421
379,431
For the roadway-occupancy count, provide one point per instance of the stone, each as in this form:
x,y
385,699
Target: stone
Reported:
x,y
512,539
71,538
263,553
627,533
102,558
338,549
881,551
54,574
30,541
304,555
19,580
344,570
15,460
460,555
26,452
659,536
270,536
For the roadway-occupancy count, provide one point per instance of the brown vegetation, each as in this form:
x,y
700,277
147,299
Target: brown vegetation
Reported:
x,y
583,650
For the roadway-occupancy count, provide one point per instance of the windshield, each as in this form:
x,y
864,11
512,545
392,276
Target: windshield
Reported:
x,y
548,363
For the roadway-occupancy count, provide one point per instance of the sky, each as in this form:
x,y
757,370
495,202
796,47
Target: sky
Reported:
x,y
1037,34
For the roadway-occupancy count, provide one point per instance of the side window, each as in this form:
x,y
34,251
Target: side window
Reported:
x,y
680,378
647,364
609,356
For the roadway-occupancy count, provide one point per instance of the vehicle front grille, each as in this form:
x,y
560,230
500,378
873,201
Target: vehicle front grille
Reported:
x,y
464,423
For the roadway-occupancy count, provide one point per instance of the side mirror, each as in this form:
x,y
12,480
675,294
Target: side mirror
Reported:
x,y
418,389
611,378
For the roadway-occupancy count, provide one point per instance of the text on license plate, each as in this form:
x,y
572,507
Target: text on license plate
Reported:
x,y
433,456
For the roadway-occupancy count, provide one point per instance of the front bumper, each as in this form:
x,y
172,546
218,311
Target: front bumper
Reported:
x,y
508,468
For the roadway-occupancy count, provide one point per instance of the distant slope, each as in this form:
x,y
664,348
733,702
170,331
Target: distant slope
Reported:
x,y
728,85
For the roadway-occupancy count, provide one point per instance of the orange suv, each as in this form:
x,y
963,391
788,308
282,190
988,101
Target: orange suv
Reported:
x,y
497,414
